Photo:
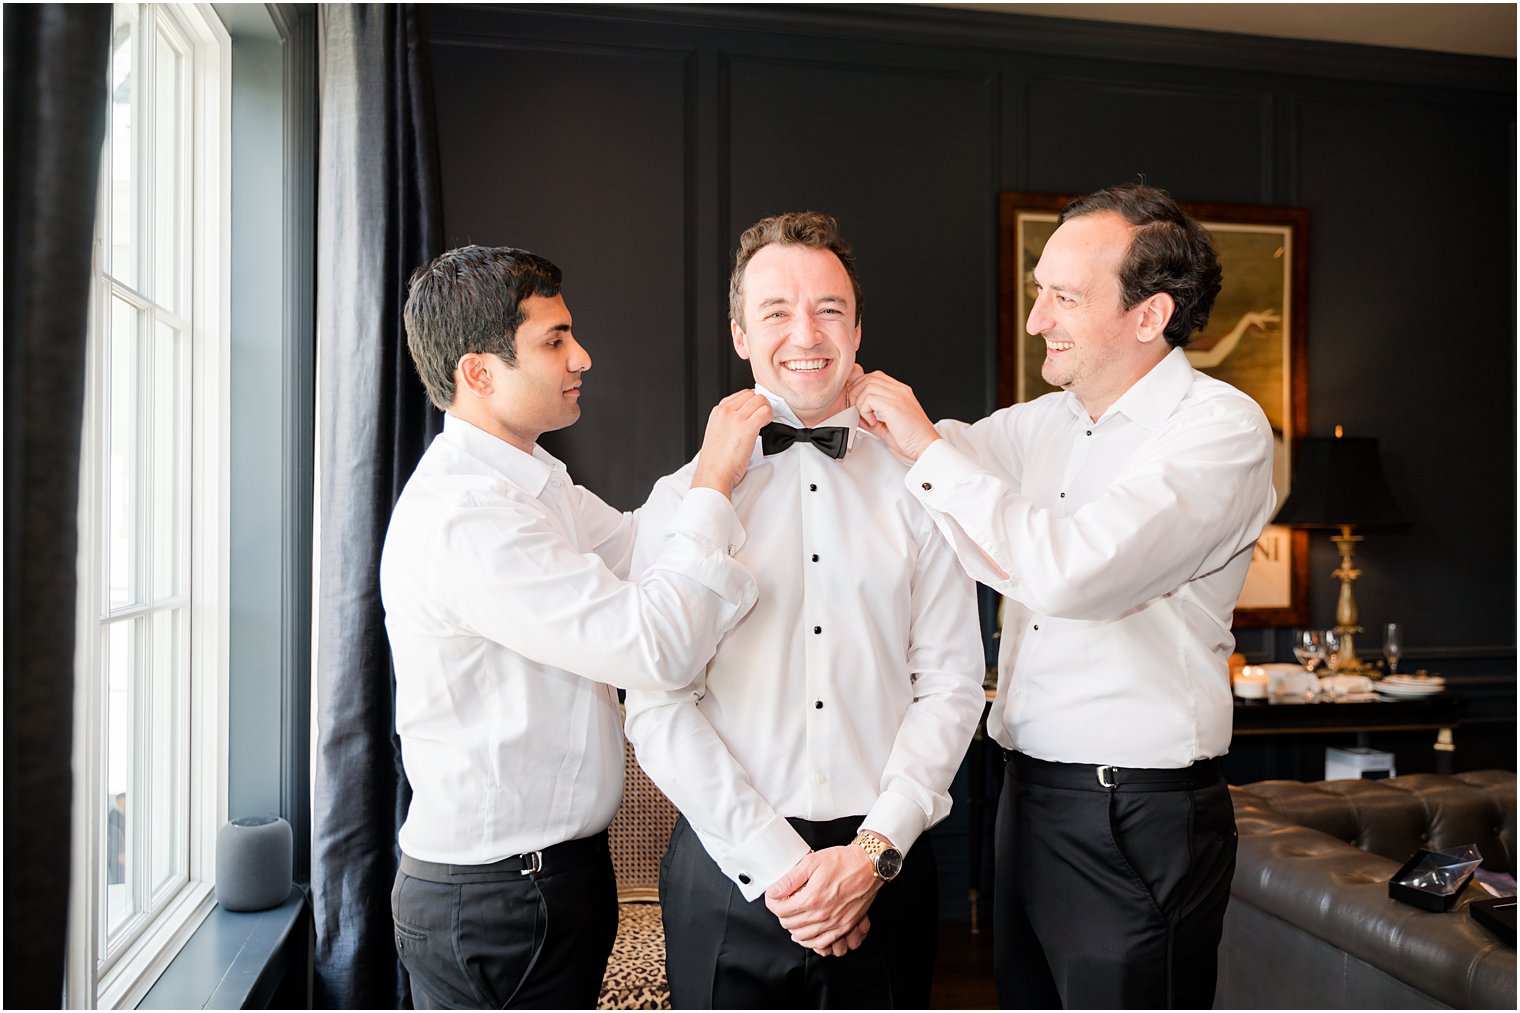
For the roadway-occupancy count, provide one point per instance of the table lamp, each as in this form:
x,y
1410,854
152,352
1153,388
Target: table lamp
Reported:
x,y
1338,483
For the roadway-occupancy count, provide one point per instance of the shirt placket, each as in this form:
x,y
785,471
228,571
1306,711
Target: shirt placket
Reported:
x,y
556,496
815,477
1084,435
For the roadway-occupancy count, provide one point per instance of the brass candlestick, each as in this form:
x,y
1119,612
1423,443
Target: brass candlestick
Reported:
x,y
1345,606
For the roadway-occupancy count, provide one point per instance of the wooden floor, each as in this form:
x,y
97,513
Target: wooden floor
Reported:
x,y
963,970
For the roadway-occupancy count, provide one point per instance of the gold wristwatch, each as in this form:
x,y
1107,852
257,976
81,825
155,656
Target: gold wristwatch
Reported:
x,y
886,860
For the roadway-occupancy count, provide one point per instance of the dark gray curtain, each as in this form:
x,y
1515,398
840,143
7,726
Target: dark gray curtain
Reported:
x,y
378,217
55,116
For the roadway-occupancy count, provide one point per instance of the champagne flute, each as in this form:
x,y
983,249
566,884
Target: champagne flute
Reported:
x,y
1333,640
1309,648
1393,646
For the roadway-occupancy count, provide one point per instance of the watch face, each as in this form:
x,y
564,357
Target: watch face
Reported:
x,y
889,863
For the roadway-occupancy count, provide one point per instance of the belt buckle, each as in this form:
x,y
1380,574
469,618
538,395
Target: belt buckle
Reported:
x,y
535,863
1103,773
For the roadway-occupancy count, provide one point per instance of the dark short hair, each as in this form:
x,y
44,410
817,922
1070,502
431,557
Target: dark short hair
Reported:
x,y
795,228
1168,252
470,300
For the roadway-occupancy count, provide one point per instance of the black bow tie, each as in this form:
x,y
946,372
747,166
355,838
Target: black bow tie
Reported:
x,y
777,436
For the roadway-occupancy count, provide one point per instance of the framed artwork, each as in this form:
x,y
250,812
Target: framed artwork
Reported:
x,y
1255,340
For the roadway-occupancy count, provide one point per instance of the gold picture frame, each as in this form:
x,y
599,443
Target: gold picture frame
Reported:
x,y
1256,340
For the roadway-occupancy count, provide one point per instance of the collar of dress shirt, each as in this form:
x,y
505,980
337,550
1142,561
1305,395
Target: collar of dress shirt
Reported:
x,y
1151,400
782,412
529,472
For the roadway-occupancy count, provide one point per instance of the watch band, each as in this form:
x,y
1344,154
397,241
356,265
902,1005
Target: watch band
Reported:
x,y
875,847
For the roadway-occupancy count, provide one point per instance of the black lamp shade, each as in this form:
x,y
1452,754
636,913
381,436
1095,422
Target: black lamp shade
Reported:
x,y
1339,481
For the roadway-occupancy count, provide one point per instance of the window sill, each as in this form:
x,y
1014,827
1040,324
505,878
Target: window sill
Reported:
x,y
241,960
133,971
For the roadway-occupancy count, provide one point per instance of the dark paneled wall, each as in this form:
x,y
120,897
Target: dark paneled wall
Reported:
x,y
632,145
580,154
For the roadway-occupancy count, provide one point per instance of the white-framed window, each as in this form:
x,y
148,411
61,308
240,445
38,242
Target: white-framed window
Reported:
x,y
151,654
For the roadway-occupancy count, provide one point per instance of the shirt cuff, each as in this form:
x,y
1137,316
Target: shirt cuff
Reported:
x,y
943,475
897,818
707,517
707,513
936,472
764,858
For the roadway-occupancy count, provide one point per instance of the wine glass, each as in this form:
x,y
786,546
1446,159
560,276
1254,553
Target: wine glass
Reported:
x,y
1333,640
1393,646
1309,647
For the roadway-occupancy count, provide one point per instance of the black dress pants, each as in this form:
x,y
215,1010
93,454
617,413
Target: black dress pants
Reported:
x,y
723,952
509,940
1110,898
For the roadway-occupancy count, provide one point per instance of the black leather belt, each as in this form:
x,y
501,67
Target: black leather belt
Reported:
x,y
1102,777
555,858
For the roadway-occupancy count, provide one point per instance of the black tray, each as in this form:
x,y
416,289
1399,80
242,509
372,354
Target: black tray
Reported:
x,y
1497,915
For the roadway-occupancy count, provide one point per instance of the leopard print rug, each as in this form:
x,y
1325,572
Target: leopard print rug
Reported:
x,y
636,970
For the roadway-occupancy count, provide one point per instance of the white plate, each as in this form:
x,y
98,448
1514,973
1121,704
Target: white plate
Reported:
x,y
1411,680
1410,691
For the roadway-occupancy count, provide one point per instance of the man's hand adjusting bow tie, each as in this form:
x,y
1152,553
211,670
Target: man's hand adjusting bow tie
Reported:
x,y
831,440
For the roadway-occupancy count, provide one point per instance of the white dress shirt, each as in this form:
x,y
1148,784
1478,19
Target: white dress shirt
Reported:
x,y
510,625
1125,542
852,687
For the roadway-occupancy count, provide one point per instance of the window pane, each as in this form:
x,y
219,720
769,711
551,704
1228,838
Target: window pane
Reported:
x,y
122,485
121,794
168,189
167,532
166,758
126,83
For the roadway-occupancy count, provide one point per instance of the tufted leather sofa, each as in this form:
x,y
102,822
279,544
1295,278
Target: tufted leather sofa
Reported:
x,y
1310,924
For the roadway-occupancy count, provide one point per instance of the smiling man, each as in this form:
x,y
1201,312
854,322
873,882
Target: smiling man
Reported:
x,y
510,624
1117,519
815,749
